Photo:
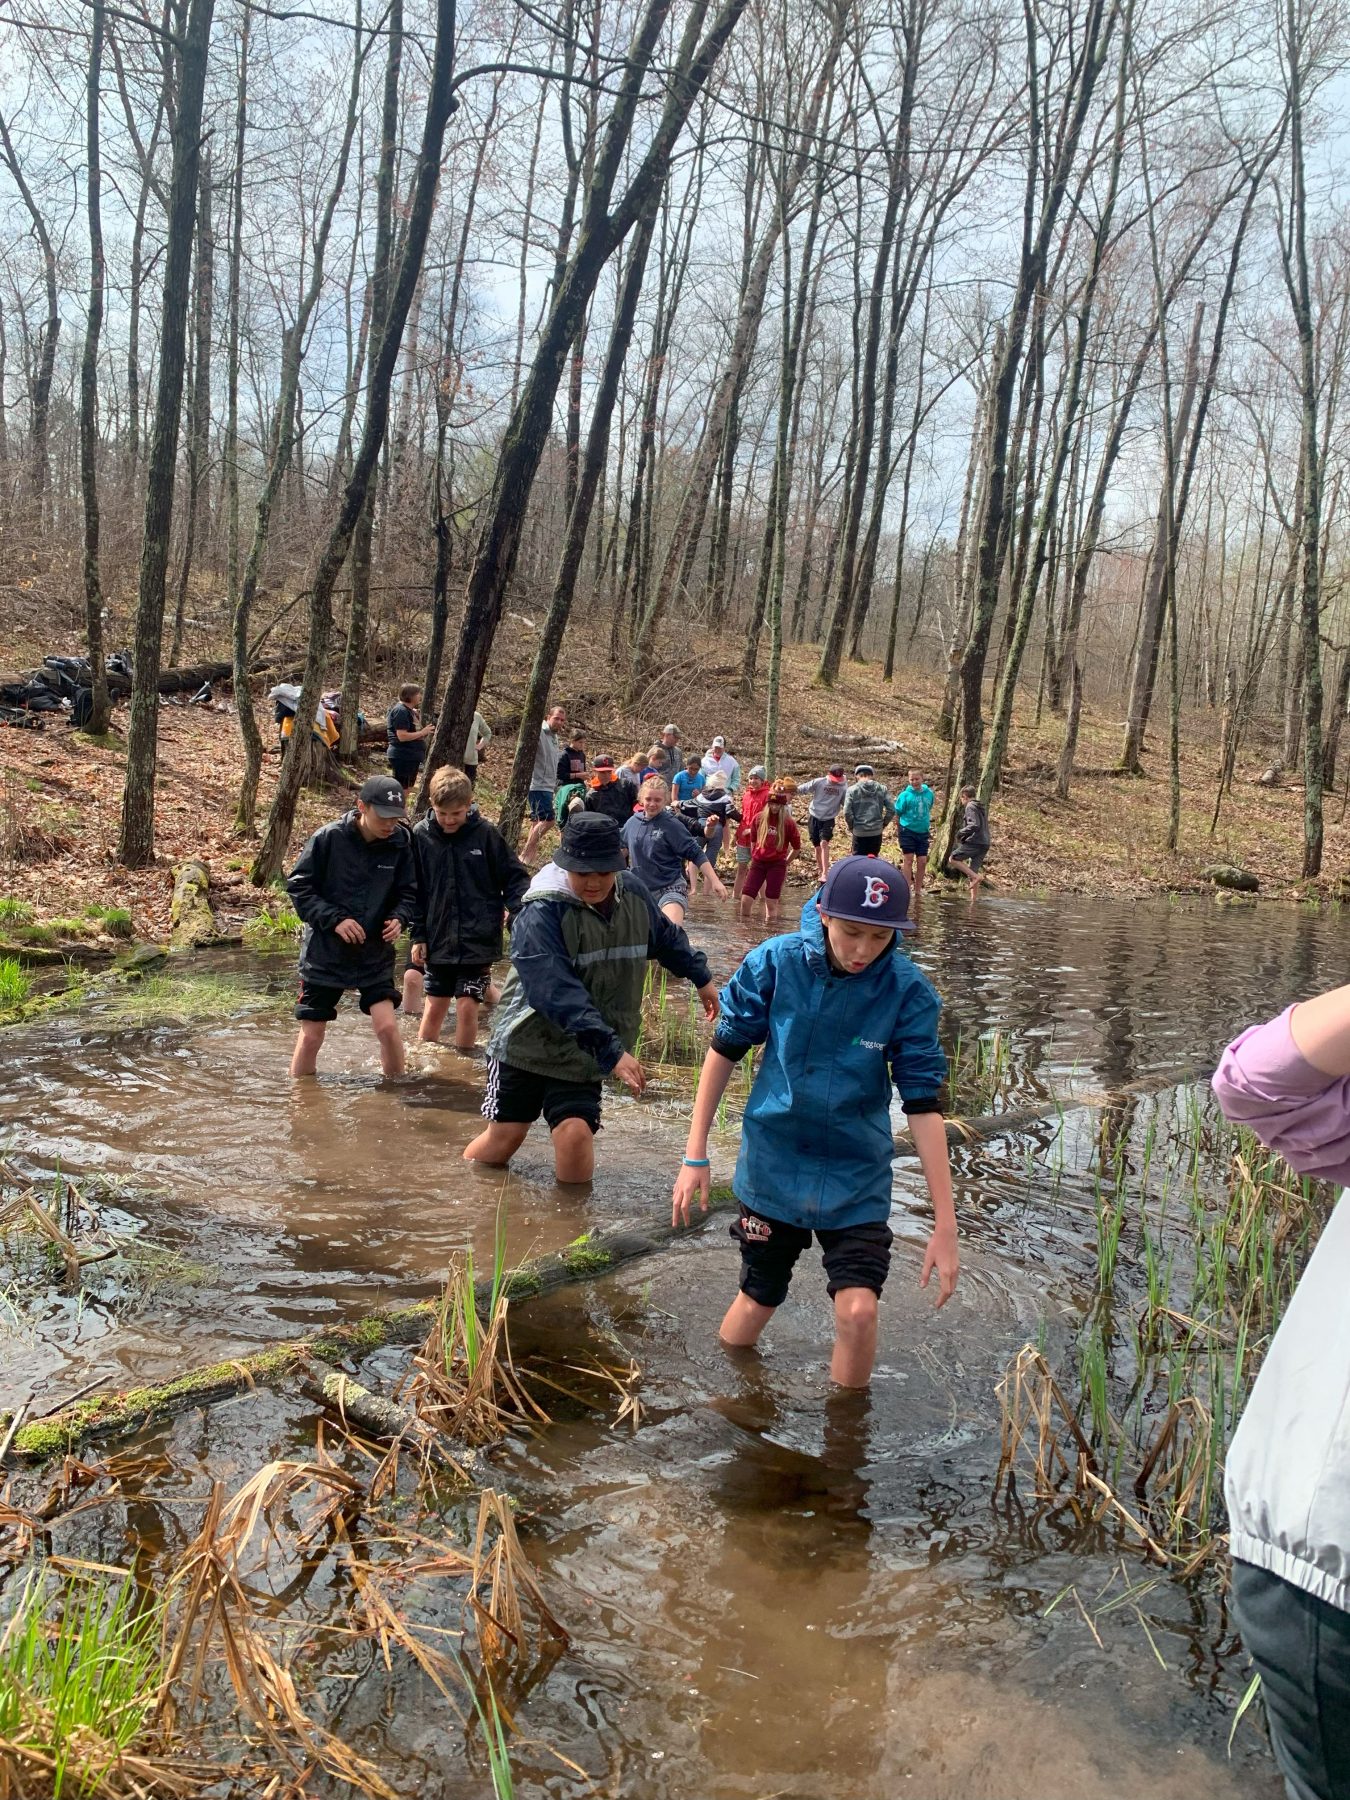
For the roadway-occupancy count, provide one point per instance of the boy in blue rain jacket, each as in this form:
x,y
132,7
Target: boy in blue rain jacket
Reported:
x,y
841,1013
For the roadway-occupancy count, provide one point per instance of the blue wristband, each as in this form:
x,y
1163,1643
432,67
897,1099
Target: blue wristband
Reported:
x,y
696,1162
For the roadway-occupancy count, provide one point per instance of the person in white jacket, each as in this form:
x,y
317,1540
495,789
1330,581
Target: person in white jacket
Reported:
x,y
1287,1476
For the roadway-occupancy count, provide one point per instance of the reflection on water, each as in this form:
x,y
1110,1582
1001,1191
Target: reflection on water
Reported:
x,y
771,1590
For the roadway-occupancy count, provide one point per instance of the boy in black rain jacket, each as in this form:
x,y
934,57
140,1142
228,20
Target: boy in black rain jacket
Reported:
x,y
355,888
467,878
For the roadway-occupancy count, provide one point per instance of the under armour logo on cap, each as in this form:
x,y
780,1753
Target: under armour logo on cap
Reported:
x,y
384,795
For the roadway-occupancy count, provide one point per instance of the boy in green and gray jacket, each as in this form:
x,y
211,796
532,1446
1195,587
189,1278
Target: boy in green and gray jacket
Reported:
x,y
571,1008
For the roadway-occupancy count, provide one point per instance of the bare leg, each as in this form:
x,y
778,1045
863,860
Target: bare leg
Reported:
x,y
493,994
573,1151
308,1042
743,907
745,1320
742,870
433,1018
496,1145
772,908
537,831
824,858
674,912
920,868
855,1337
414,991
907,867
466,1023
384,1022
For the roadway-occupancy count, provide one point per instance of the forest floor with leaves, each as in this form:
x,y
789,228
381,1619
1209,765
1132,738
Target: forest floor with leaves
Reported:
x,y
60,792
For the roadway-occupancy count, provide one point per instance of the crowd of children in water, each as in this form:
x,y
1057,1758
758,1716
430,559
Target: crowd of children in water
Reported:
x,y
839,1018
816,1138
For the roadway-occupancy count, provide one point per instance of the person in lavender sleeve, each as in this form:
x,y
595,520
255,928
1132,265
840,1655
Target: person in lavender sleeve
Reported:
x,y
1287,1481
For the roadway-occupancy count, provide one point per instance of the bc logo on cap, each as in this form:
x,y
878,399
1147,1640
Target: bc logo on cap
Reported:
x,y
876,892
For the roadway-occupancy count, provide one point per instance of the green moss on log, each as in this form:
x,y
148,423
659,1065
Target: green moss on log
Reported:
x,y
136,1409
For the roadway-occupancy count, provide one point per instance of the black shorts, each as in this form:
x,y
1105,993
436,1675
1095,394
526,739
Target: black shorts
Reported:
x,y
471,770
318,1001
854,1256
869,844
972,856
457,981
405,771
518,1097
913,843
820,831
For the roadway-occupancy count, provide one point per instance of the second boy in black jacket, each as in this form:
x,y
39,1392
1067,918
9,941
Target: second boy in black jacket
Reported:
x,y
467,879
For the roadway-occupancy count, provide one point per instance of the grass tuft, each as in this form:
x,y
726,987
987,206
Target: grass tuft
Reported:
x,y
80,1673
274,928
15,983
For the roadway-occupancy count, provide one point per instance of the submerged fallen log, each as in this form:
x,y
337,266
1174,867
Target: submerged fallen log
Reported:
x,y
121,1414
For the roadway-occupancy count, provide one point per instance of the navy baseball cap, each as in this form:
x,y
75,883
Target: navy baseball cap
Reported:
x,y
383,795
866,891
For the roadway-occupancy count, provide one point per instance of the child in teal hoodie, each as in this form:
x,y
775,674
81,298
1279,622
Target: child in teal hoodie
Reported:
x,y
816,1146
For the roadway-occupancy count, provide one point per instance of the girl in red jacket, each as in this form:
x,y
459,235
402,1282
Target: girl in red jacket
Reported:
x,y
774,841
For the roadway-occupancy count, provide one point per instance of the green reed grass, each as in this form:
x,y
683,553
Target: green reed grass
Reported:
x,y
80,1673
274,928
15,983
1167,1353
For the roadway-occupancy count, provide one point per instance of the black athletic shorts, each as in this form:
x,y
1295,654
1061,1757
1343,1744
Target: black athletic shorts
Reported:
x,y
972,856
820,831
867,845
457,981
913,843
518,1097
854,1256
317,1001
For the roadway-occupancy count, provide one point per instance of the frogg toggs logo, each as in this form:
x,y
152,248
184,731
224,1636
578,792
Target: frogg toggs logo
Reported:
x,y
869,1043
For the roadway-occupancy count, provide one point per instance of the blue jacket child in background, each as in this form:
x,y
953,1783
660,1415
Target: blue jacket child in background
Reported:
x,y
913,814
841,1013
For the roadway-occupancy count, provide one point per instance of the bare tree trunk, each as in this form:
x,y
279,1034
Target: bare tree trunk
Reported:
x,y
93,591
1294,247
439,106
45,359
600,232
1153,605
574,544
284,426
136,839
199,401
359,563
693,510
1096,26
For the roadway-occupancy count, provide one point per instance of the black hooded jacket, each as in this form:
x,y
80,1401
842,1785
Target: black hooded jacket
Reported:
x,y
341,876
465,880
612,798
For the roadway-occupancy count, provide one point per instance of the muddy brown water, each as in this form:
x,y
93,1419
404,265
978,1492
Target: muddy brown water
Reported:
x,y
771,1590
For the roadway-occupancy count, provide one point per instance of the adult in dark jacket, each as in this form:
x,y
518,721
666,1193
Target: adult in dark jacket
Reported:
x,y
572,1007
407,735
356,889
607,793
467,878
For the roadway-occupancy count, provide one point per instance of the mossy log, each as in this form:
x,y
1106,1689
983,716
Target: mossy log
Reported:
x,y
119,1415
1227,875
191,920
